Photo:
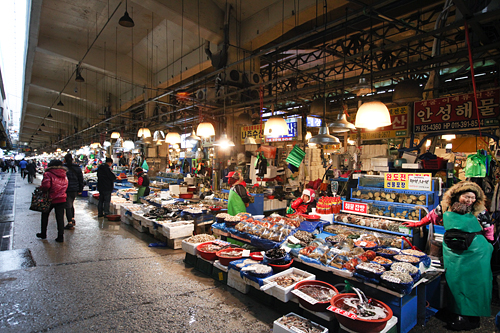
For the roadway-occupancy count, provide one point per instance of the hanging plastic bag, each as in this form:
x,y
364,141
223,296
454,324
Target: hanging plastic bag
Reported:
x,y
476,165
145,165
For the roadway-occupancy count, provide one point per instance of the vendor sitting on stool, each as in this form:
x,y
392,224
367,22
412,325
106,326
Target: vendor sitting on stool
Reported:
x,y
238,197
305,203
142,183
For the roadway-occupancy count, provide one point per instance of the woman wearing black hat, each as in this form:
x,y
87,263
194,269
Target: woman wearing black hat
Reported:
x,y
466,252
142,183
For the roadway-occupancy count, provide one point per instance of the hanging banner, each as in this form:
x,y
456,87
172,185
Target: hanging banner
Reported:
x,y
398,128
457,112
408,181
208,142
257,132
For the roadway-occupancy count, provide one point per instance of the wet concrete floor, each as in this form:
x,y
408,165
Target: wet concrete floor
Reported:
x,y
105,278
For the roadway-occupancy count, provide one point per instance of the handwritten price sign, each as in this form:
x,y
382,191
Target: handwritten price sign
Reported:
x,y
355,207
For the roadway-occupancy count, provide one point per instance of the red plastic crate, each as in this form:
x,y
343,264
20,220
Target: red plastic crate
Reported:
x,y
436,164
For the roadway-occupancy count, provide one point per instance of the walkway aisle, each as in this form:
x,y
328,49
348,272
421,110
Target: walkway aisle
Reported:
x,y
105,278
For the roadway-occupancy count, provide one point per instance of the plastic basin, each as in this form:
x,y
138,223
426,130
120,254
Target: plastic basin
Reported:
x,y
281,268
205,254
319,306
186,195
257,256
359,324
226,260
113,217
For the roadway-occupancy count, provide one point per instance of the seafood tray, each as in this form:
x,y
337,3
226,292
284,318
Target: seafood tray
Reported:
x,y
284,294
279,327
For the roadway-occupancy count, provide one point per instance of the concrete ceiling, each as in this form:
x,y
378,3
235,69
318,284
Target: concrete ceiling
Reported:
x,y
123,67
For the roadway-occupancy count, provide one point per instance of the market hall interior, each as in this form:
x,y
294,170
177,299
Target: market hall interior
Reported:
x,y
105,278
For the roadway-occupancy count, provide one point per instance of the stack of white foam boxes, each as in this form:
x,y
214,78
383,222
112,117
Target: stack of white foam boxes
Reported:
x,y
313,164
370,151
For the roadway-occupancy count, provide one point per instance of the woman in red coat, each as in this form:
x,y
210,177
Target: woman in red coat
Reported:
x,y
55,182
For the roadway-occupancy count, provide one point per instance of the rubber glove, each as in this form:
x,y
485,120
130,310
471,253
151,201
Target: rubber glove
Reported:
x,y
420,223
297,203
489,233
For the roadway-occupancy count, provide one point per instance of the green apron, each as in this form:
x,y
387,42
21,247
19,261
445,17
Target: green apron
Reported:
x,y
235,204
468,273
141,190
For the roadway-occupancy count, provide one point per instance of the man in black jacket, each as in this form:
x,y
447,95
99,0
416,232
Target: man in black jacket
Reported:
x,y
31,170
75,186
105,186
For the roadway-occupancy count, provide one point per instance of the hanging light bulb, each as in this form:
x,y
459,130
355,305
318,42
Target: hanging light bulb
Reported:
x,y
341,125
115,135
224,142
126,21
50,116
205,130
308,135
372,115
275,126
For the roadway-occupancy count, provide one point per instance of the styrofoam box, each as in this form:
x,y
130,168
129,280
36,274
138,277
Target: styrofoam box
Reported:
x,y
285,294
174,189
235,281
411,166
220,266
178,230
279,328
383,162
190,247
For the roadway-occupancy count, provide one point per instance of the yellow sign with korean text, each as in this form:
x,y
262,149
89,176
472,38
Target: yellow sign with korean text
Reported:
x,y
408,181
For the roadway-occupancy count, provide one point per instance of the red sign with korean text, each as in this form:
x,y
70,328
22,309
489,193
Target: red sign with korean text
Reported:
x,y
354,207
457,112
341,312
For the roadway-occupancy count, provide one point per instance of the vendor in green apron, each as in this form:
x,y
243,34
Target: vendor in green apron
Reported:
x,y
468,272
142,183
238,197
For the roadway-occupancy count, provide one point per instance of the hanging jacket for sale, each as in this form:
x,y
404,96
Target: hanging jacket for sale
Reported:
x,y
261,166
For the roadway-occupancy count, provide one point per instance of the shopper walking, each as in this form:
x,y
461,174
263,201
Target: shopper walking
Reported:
x,y
31,171
105,186
239,199
22,167
468,271
55,182
75,186
12,166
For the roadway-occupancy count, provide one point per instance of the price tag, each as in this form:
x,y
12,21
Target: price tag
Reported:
x,y
404,230
293,240
305,297
245,253
341,312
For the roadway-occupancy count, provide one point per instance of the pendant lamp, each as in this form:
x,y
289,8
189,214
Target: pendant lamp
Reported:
x,y
244,119
79,77
193,137
308,136
173,137
372,115
407,91
205,130
448,137
115,135
126,21
224,142
341,125
144,132
275,126
158,136
128,144
324,137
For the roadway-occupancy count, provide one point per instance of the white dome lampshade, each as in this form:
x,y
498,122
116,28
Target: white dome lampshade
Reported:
x,y
224,142
115,135
324,137
128,144
275,126
144,132
205,130
372,115
173,137
158,136
193,137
